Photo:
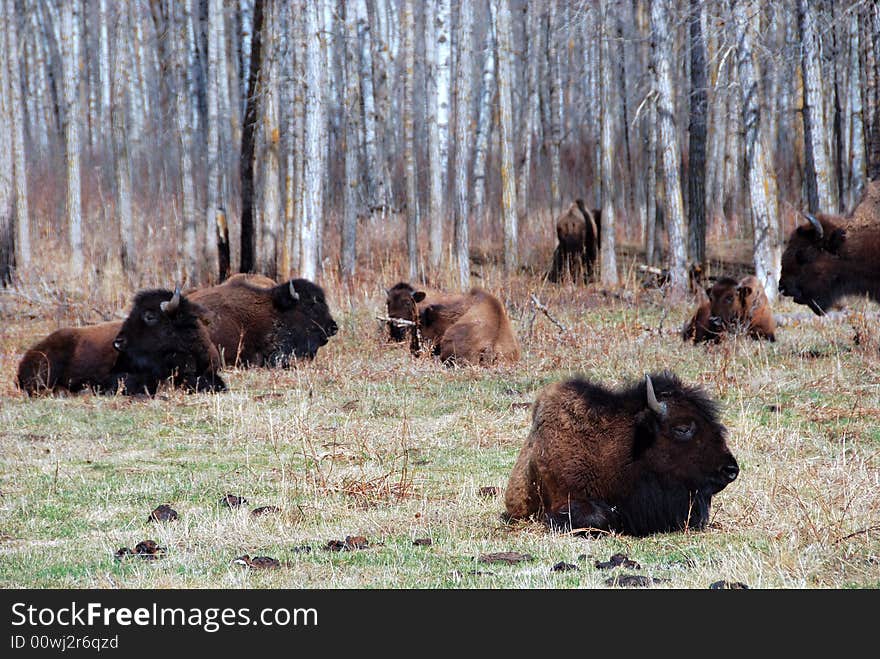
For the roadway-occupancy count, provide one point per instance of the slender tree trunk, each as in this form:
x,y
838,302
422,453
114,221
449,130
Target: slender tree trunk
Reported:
x,y
248,129
504,29
436,167
555,106
104,61
7,190
761,175
70,47
697,145
529,112
122,63
484,125
409,78
352,132
857,160
651,186
443,35
820,189
315,152
296,155
216,235
608,141
268,163
463,141
376,193
16,115
664,37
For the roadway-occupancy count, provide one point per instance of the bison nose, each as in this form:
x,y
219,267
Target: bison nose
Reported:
x,y
730,470
333,328
714,322
120,343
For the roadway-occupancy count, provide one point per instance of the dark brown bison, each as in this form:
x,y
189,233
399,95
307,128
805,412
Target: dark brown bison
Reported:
x,y
832,256
256,322
641,460
163,337
732,307
578,231
469,328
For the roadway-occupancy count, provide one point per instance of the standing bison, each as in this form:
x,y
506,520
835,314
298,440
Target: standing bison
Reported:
x,y
645,459
578,231
732,307
255,322
469,328
832,256
163,338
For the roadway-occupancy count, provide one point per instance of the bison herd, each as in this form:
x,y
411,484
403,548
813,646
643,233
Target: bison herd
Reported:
x,y
642,459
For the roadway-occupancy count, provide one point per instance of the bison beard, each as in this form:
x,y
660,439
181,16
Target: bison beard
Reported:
x,y
647,459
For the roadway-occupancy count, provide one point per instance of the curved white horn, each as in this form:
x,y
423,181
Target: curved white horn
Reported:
x,y
817,225
656,406
293,292
170,306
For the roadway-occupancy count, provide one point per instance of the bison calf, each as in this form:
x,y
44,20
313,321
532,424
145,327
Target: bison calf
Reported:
x,y
732,307
578,231
645,459
255,322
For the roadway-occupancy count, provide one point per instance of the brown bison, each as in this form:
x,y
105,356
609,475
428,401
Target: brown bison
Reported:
x,y
641,460
578,231
732,307
256,322
163,337
832,256
470,328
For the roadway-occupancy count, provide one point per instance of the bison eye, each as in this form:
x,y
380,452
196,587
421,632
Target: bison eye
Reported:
x,y
802,257
684,433
729,299
150,317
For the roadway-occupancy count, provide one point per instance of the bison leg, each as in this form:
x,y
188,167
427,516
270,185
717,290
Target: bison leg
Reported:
x,y
583,516
555,273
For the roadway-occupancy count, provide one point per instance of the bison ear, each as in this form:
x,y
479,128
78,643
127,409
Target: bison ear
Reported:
x,y
418,296
284,296
836,240
745,291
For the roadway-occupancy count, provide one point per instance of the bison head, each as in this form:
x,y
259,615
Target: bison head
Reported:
x,y
681,451
303,324
165,337
401,303
725,305
810,272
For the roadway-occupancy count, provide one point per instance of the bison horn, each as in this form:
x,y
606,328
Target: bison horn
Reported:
x,y
170,306
293,292
817,225
656,406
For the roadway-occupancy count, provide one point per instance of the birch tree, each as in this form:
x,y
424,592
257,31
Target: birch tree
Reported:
x,y
351,202
121,155
375,182
463,141
436,168
503,28
7,215
555,105
857,168
667,144
697,140
216,236
821,192
761,175
70,51
16,116
409,160
269,208
315,152
484,124
530,109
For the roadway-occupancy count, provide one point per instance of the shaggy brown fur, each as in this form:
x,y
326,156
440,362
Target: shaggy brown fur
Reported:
x,y
256,322
71,358
611,461
732,307
578,233
818,270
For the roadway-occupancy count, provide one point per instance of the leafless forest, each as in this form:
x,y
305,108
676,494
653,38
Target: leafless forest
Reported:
x,y
182,141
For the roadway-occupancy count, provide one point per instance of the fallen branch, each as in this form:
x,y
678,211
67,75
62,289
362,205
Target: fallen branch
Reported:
x,y
543,309
400,322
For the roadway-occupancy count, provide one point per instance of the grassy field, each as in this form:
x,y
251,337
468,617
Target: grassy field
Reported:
x,y
366,441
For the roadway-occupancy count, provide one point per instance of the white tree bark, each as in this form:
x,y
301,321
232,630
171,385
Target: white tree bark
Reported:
x,y
104,61
857,164
664,36
70,49
376,193
43,120
555,106
761,174
16,115
530,110
463,140
7,193
484,125
504,30
216,52
436,198
352,132
409,166
122,63
443,35
268,160
315,151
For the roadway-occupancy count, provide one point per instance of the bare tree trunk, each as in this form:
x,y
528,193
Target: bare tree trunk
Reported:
x,y
315,152
463,141
216,235
857,159
761,175
296,154
248,129
555,106
443,22
268,162
121,156
664,37
697,145
608,140
70,47
409,78
16,115
820,189
504,29
376,193
529,112
7,194
436,166
104,61
352,133
484,125
651,187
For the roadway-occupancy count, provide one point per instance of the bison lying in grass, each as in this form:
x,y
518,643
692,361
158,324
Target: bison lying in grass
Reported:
x,y
645,459
164,337
732,307
470,328
256,322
